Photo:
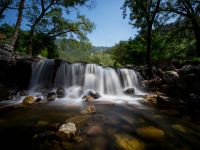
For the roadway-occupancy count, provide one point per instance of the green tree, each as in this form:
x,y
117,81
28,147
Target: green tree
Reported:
x,y
40,9
143,14
74,50
187,10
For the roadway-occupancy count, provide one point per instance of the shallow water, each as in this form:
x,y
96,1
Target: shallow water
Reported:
x,y
119,126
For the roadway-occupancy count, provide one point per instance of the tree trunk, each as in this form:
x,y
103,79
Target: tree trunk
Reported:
x,y
196,29
30,40
18,23
31,34
149,49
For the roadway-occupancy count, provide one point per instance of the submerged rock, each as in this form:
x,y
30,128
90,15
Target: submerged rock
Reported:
x,y
129,91
28,100
69,130
179,128
80,120
94,130
151,133
89,98
51,96
127,142
42,123
89,110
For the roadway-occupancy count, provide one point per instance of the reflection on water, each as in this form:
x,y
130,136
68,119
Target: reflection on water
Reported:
x,y
113,126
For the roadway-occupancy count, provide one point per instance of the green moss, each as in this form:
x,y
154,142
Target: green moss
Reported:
x,y
127,142
151,133
179,127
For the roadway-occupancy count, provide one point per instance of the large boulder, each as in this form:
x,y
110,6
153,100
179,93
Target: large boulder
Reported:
x,y
6,52
165,64
187,69
170,76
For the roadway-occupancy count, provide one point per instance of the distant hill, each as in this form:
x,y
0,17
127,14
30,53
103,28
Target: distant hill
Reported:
x,y
100,48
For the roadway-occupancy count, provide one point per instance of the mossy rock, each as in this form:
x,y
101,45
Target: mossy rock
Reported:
x,y
151,133
42,123
28,100
89,110
127,142
179,128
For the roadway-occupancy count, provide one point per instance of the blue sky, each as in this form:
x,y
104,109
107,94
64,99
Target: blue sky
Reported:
x,y
107,16
110,25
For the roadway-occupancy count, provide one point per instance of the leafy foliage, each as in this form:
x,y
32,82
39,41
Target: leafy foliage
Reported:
x,y
47,17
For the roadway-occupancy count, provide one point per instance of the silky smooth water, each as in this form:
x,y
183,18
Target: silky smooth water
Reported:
x,y
78,79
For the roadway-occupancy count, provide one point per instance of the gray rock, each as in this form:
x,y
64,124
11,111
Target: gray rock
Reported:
x,y
170,77
38,99
51,96
6,52
187,69
129,91
93,95
60,92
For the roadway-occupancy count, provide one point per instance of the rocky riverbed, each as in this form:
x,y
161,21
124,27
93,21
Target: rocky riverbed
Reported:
x,y
57,125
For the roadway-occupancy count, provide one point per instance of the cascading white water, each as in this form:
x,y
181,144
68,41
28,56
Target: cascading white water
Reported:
x,y
42,74
79,78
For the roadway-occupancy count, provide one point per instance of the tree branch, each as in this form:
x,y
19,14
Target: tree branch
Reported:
x,y
176,11
42,4
156,10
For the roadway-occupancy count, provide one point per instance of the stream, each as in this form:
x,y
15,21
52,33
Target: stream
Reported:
x,y
119,121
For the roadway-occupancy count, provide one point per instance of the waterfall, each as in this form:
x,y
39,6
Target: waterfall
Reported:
x,y
78,78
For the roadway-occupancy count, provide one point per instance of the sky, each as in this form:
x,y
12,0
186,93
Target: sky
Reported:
x,y
107,16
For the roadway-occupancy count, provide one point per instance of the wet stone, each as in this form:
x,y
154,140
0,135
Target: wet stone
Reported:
x,y
127,142
179,128
60,92
89,110
94,130
51,96
129,91
68,129
151,133
28,100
